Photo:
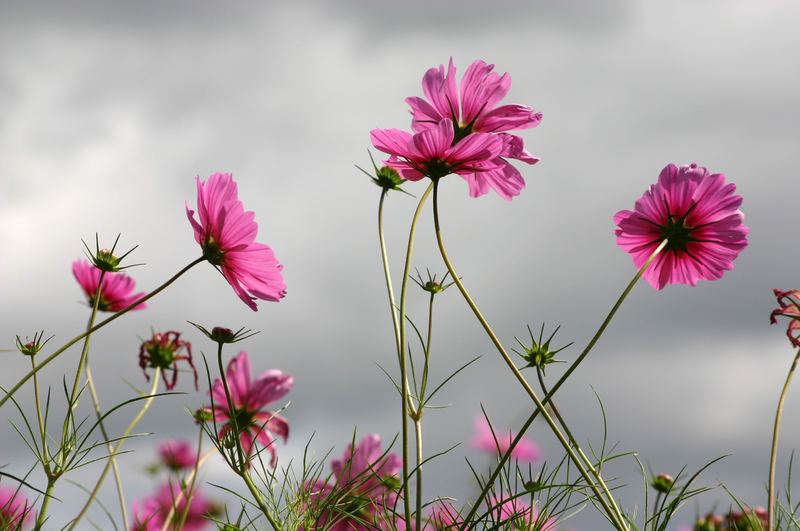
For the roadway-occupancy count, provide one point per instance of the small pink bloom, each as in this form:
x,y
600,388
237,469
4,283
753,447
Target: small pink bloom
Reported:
x,y
499,442
116,293
177,454
788,306
249,398
699,215
152,513
164,351
474,109
516,514
364,494
226,232
15,511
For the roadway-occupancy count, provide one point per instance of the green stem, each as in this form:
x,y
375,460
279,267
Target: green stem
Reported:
x,y
51,482
616,518
594,470
418,471
190,489
402,351
241,469
241,466
259,501
416,415
111,456
40,419
73,396
96,327
387,274
148,401
773,456
548,396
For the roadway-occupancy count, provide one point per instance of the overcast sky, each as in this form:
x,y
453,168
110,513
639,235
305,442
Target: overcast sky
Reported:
x,y
109,111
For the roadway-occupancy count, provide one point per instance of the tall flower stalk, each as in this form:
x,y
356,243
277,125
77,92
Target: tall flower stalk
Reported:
x,y
549,394
609,505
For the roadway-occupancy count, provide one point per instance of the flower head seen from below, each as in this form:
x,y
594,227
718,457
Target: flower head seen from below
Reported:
x,y
471,108
788,306
226,232
516,514
497,442
116,293
249,398
163,351
698,214
15,511
151,514
364,493
177,454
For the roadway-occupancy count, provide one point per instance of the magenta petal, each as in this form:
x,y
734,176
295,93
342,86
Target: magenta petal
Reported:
x,y
507,118
392,141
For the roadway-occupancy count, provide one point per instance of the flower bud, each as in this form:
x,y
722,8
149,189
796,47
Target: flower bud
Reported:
x,y
662,483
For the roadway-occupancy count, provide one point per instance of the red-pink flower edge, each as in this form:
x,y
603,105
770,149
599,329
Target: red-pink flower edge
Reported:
x,y
698,212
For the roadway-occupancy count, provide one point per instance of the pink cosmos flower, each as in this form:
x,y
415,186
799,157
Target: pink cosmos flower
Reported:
x,y
164,350
499,442
788,306
15,511
226,232
364,494
516,514
474,109
152,513
116,293
249,398
435,153
698,213
177,454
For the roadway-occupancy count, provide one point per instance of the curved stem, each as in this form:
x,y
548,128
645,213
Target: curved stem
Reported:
x,y
242,464
773,456
614,516
148,401
111,455
549,395
97,327
387,274
402,351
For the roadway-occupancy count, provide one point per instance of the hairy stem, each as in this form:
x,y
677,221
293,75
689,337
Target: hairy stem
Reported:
x,y
614,516
95,328
773,456
259,501
548,396
148,401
